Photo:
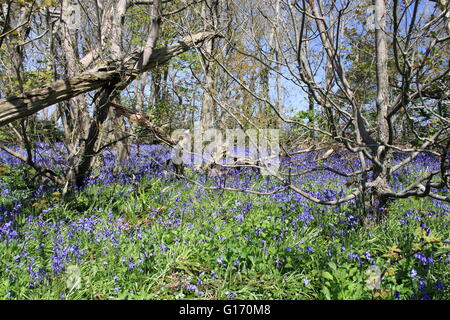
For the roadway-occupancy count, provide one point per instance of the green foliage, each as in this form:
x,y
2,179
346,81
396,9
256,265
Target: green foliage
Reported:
x,y
140,242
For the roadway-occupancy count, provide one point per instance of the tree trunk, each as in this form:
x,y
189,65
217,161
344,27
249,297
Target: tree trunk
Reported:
x,y
209,13
76,115
28,103
382,169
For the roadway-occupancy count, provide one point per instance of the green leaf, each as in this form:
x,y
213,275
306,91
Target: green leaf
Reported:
x,y
327,275
327,293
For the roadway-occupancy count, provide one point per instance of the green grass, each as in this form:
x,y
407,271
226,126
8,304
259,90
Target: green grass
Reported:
x,y
264,256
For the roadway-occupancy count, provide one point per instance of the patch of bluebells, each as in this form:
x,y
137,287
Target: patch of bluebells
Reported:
x,y
61,238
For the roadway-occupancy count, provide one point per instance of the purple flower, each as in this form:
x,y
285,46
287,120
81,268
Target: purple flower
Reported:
x,y
329,251
421,257
413,273
191,287
219,260
421,284
239,218
439,286
397,295
306,282
231,295
352,255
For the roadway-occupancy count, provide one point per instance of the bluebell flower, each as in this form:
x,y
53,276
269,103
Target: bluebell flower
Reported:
x,y
191,287
329,251
277,262
421,284
239,218
231,295
439,286
421,257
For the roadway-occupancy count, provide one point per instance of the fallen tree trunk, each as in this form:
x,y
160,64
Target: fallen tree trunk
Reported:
x,y
143,119
28,103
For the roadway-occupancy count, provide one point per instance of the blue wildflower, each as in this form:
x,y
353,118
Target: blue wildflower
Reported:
x,y
439,286
421,257
231,295
191,287
421,284
309,249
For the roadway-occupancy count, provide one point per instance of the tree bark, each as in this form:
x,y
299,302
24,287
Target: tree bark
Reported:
x,y
28,103
382,169
208,103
